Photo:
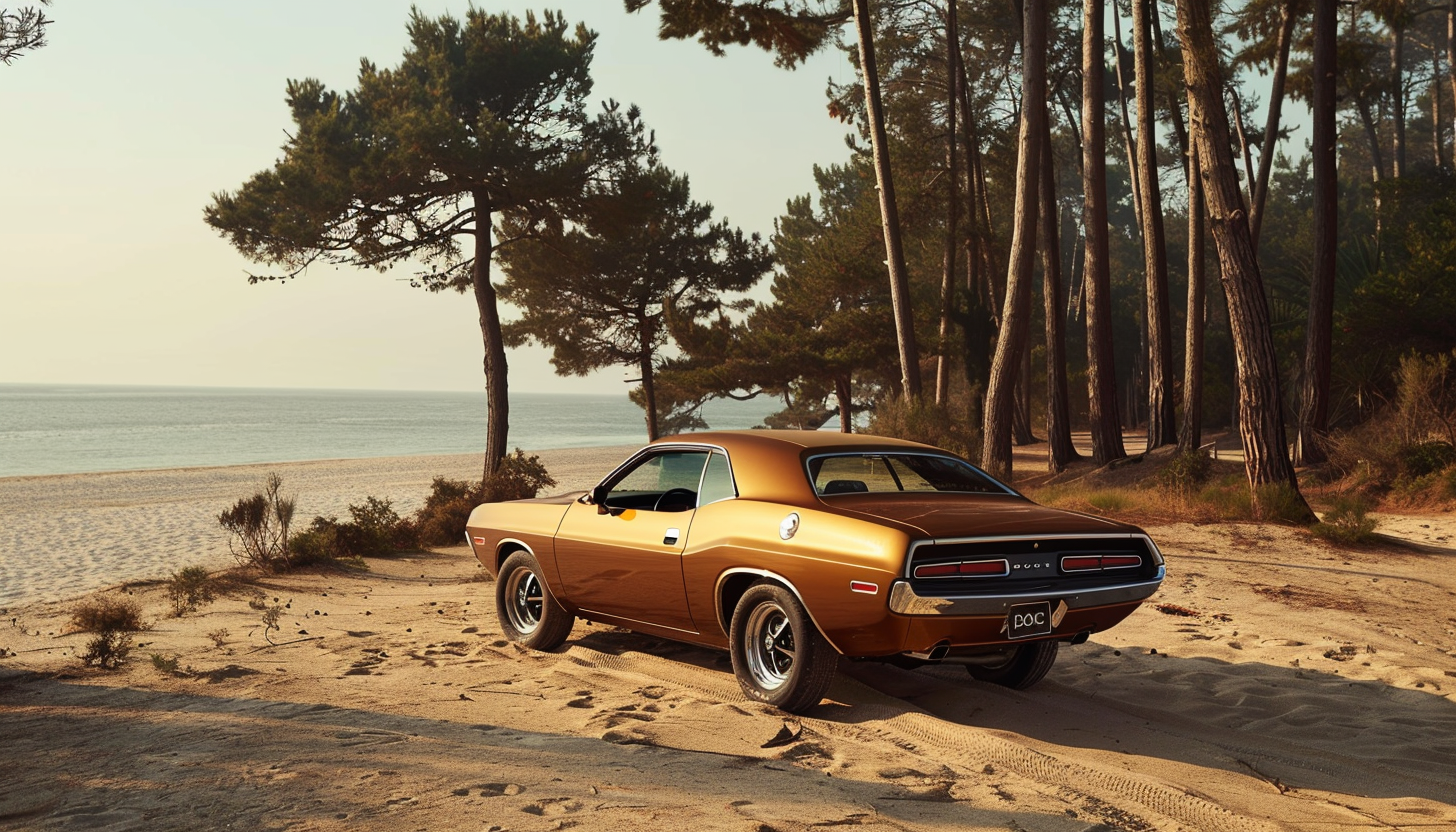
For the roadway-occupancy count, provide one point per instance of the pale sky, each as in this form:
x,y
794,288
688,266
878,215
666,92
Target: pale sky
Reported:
x,y
114,136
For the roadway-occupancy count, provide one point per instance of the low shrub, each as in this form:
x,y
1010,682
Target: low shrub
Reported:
x,y
518,477
189,588
107,613
1186,471
922,420
1281,503
258,526
1347,521
1424,458
109,650
441,521
164,664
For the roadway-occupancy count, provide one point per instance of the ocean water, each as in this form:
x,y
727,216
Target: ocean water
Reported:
x,y
62,429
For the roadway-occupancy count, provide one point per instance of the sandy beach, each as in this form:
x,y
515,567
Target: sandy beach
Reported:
x,y
1274,683
71,533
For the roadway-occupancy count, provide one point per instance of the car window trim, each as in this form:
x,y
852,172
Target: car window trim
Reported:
x,y
653,450
809,460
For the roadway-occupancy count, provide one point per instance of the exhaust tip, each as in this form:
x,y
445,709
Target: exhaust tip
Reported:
x,y
934,654
1080,638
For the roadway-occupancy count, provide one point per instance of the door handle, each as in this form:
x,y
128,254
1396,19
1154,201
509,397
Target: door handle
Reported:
x,y
670,536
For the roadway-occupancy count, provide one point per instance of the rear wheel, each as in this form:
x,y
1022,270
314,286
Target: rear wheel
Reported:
x,y
779,656
1025,665
527,611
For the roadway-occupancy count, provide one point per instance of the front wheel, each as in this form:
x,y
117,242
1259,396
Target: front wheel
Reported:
x,y
779,656
1024,666
527,611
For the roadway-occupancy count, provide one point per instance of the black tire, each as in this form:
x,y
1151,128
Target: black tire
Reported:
x,y
779,656
1024,666
528,612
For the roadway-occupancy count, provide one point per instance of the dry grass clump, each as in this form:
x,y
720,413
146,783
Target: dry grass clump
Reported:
x,y
113,618
100,613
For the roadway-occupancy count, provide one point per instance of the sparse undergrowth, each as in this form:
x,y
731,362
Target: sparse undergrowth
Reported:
x,y
189,588
1347,521
113,619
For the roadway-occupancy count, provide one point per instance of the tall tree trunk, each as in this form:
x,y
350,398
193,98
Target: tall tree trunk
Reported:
x,y
1133,172
1102,415
889,213
1271,126
649,386
1314,401
952,215
1192,434
1397,100
497,395
1261,422
1016,319
1162,415
1451,66
1060,451
1021,433
1238,114
843,393
1438,118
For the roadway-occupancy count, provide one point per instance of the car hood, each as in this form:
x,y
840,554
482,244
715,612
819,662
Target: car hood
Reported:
x,y
948,516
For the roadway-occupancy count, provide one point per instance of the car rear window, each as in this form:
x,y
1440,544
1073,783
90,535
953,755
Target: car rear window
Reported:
x,y
889,473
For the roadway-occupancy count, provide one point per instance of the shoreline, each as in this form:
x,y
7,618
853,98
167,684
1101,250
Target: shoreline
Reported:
x,y
68,534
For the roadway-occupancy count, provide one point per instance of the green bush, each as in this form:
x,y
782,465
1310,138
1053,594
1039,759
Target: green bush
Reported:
x,y
1347,521
1423,458
108,650
189,588
319,543
1186,471
518,477
922,420
441,521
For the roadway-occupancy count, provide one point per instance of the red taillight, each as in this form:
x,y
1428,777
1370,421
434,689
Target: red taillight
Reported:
x,y
973,569
1093,563
865,587
984,567
939,570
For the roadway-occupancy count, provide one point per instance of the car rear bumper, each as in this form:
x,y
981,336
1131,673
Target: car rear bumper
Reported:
x,y
904,600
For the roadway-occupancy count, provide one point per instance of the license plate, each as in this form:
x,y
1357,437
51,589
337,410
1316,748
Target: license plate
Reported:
x,y
1027,620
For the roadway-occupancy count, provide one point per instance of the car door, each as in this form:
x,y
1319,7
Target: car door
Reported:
x,y
627,562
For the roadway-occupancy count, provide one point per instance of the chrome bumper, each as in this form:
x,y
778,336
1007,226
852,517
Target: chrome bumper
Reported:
x,y
906,601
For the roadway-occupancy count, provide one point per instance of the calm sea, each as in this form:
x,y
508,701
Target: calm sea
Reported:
x,y
62,429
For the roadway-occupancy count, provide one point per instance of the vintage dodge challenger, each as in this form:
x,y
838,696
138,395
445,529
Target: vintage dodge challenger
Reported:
x,y
792,548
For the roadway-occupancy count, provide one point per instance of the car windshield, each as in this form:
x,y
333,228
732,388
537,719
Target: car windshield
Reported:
x,y
884,473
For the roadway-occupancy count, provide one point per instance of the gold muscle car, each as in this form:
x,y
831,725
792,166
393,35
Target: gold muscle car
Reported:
x,y
793,548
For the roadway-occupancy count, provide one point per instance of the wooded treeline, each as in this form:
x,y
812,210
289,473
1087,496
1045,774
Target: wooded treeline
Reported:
x,y
1021,242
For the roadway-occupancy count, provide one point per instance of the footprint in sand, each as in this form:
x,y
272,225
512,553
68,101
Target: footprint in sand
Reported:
x,y
491,789
552,806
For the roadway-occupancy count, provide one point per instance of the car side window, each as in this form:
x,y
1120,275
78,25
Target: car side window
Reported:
x,y
717,481
662,482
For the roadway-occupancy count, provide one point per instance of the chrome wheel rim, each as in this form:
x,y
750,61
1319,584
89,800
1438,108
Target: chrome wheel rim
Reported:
x,y
769,646
525,598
